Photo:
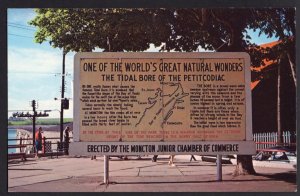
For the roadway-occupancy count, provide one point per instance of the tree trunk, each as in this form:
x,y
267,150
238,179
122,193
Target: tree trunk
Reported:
x,y
244,166
279,131
292,65
244,162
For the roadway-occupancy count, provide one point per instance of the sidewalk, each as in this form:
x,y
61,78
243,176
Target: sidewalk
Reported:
x,y
69,174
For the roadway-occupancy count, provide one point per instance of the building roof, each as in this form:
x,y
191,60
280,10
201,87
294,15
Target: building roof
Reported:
x,y
266,62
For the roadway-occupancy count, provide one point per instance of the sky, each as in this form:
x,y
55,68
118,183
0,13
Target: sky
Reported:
x,y
34,70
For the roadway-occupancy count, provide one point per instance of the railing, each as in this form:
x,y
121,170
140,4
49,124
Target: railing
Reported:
x,y
24,145
262,140
267,140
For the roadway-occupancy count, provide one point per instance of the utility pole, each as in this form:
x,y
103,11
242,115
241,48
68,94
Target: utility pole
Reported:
x,y
33,104
62,97
33,116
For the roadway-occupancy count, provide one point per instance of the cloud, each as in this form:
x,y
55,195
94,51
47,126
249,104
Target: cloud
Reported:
x,y
20,16
38,61
33,60
16,104
31,75
70,62
34,71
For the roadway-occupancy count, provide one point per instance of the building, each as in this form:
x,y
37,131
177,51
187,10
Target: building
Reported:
x,y
264,97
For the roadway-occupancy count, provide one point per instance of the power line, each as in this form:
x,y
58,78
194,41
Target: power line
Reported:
x,y
21,28
17,24
23,36
19,35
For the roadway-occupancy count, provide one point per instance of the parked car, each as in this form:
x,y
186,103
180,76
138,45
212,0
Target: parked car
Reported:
x,y
277,153
226,159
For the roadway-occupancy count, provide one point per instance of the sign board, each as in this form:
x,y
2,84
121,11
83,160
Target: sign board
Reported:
x,y
161,100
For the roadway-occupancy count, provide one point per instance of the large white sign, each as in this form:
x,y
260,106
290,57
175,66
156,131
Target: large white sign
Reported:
x,y
162,100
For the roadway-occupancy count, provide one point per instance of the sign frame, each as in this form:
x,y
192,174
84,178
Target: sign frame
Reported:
x,y
246,147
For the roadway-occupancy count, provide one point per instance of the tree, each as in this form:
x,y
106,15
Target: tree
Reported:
x,y
279,23
179,29
224,29
110,29
217,29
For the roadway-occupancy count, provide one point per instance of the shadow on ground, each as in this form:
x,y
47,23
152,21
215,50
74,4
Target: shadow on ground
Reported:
x,y
289,177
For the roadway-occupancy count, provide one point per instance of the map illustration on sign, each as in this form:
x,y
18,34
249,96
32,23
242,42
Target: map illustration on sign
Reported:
x,y
162,104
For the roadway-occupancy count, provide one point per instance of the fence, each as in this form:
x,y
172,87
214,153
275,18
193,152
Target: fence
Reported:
x,y
267,140
25,145
262,140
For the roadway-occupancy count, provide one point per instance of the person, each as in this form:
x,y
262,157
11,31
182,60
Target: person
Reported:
x,y
193,158
38,141
67,139
154,158
26,141
171,162
21,149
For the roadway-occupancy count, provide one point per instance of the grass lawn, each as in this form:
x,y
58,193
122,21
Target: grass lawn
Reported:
x,y
44,121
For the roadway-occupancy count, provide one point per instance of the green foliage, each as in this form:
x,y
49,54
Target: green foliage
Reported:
x,y
280,23
52,121
223,30
214,29
18,123
86,29
48,121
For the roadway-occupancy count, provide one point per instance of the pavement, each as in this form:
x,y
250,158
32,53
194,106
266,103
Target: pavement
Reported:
x,y
81,174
